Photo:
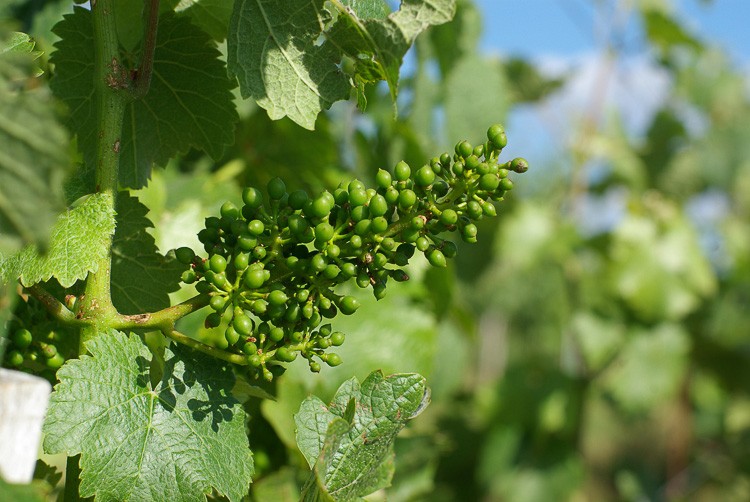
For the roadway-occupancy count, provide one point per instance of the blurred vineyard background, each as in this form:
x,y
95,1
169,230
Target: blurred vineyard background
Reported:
x,y
595,343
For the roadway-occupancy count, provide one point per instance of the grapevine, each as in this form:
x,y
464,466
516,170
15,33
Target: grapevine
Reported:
x,y
272,265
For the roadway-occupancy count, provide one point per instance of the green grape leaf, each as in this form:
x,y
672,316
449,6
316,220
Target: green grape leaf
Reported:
x,y
33,156
176,440
212,16
79,240
189,103
276,53
378,46
272,50
141,276
349,444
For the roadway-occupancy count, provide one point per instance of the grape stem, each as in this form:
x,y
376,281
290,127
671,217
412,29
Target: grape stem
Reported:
x,y
206,349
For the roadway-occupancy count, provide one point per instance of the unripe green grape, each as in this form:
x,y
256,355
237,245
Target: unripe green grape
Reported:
x,y
246,242
252,197
276,188
472,162
502,173
363,280
436,258
402,171
417,223
324,231
399,275
464,148
277,297
422,243
379,225
506,184
203,287
256,227
184,255
189,276
379,261
478,150
212,320
333,359
297,199
355,184
458,168
407,198
48,350
14,358
489,182
341,196
378,205
489,209
254,278
55,361
285,355
323,343
362,227
318,263
308,310
302,295
250,348
315,367
448,217
254,360
259,252
360,213
296,337
331,271
391,195
378,290
332,251
474,209
213,222
242,324
241,261
483,168
217,263
217,302
425,176
321,206
383,178
348,305
357,197
469,231
208,236
276,334
355,241
337,338
22,338
259,306
496,135
229,211
231,335
297,224
348,269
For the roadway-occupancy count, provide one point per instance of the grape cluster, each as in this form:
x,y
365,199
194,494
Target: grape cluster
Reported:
x,y
36,343
273,264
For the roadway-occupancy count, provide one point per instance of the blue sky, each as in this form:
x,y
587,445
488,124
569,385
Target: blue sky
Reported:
x,y
566,27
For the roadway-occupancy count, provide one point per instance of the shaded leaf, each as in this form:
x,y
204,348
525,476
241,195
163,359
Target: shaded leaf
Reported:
x,y
79,239
189,103
175,441
141,276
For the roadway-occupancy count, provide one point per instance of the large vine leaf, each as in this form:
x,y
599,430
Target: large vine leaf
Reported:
x,y
349,444
189,103
276,52
79,240
141,276
33,154
177,440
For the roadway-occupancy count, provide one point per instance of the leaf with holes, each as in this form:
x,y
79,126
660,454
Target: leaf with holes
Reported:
x,y
175,440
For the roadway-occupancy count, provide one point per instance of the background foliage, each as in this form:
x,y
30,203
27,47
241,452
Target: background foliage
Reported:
x,y
566,361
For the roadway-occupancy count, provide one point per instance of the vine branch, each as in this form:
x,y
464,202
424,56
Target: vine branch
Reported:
x,y
142,78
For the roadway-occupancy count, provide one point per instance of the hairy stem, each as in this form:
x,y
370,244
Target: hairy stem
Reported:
x,y
110,80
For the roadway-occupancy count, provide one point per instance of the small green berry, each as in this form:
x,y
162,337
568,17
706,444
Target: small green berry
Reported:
x,y
402,171
22,338
383,178
348,305
252,197
184,255
333,359
276,188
